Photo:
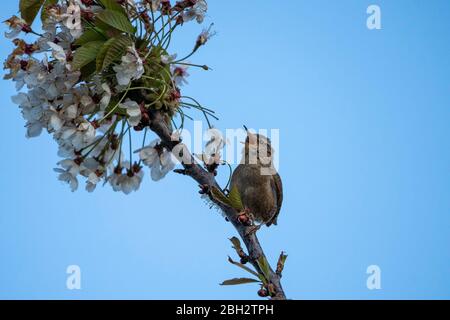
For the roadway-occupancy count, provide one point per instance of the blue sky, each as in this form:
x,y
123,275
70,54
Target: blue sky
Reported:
x,y
364,123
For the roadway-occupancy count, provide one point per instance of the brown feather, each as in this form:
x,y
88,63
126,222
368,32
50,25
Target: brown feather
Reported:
x,y
277,186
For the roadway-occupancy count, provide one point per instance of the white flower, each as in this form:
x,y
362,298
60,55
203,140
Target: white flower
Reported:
x,y
16,25
13,32
166,59
36,75
107,124
71,112
67,178
73,109
73,20
114,180
106,99
128,182
58,118
133,111
71,166
131,68
177,135
34,129
92,181
87,105
65,148
56,122
21,99
58,52
198,12
158,159
131,181
84,135
48,36
71,169
131,3
149,155
90,165
78,136
204,37
165,165
180,74
69,172
32,112
214,146
153,5
104,150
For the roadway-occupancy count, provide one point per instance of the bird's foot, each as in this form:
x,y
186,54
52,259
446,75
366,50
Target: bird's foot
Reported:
x,y
244,217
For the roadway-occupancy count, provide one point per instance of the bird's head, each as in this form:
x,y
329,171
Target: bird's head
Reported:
x,y
258,149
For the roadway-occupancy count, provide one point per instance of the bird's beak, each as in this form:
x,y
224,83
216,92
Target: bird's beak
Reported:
x,y
246,130
252,138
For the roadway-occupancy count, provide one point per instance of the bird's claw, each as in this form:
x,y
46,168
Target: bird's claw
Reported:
x,y
244,217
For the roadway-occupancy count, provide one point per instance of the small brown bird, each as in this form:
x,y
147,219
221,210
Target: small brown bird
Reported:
x,y
257,181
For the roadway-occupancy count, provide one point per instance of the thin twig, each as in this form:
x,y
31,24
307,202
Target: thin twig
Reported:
x,y
205,178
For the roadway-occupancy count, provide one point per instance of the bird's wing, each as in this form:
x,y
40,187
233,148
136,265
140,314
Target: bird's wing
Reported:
x,y
277,187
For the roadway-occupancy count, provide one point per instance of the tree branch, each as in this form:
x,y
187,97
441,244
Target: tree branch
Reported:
x,y
205,178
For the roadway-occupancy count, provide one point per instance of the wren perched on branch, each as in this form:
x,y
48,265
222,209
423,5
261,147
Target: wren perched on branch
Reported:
x,y
257,181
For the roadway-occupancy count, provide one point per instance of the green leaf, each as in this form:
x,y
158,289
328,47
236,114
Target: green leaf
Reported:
x,y
102,54
219,196
240,265
281,263
29,9
112,5
237,281
264,266
116,20
106,29
236,243
237,246
235,199
87,70
90,35
86,54
112,50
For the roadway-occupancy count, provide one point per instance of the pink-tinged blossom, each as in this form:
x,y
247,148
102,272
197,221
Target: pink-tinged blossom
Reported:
x,y
131,68
160,160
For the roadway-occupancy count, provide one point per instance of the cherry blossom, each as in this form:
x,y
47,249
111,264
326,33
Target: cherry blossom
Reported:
x,y
93,116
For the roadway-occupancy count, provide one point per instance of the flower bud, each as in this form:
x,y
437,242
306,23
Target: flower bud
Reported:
x,y
263,293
